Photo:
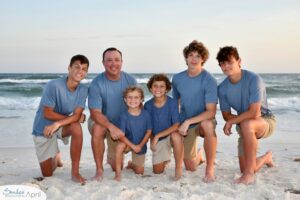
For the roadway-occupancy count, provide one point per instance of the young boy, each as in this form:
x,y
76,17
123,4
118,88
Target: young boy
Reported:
x,y
165,118
195,89
136,124
245,92
59,116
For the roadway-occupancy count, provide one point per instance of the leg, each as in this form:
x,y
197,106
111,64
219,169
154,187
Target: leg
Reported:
x,y
177,142
75,131
207,130
137,163
265,159
98,136
119,160
111,152
191,158
251,130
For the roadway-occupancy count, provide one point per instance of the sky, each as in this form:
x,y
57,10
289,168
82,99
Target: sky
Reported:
x,y
39,36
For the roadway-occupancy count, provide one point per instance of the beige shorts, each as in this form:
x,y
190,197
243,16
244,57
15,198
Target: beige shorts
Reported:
x,y
137,159
190,141
111,144
268,132
163,151
46,148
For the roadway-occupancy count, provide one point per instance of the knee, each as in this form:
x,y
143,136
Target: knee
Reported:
x,y
98,131
247,126
207,128
190,165
120,148
158,169
75,129
176,137
139,170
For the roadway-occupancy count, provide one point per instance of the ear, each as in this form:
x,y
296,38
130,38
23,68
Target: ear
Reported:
x,y
240,61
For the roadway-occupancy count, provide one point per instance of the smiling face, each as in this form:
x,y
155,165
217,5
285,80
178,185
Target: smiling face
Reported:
x,y
112,62
194,60
231,66
158,89
77,71
133,99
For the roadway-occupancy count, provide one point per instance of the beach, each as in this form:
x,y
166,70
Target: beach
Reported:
x,y
19,165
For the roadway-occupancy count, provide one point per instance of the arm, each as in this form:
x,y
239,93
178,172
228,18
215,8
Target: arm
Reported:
x,y
125,140
253,112
99,118
163,133
209,113
144,141
60,120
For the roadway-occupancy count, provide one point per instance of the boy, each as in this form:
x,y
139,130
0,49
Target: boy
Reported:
x,y
165,118
195,89
245,92
59,116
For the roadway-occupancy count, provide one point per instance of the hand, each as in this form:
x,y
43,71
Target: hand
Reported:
x,y
227,128
136,148
153,143
183,129
115,132
82,118
51,129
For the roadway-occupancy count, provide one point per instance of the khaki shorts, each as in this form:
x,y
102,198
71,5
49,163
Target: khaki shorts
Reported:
x,y
268,132
111,144
190,141
46,148
163,151
137,159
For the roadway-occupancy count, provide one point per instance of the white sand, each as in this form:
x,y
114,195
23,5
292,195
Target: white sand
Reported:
x,y
19,166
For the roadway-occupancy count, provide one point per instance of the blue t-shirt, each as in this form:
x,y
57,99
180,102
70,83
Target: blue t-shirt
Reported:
x,y
163,117
57,96
107,95
194,93
250,89
135,127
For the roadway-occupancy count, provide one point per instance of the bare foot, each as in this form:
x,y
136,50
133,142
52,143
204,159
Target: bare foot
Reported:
x,y
269,160
98,176
117,177
60,163
78,178
209,177
129,165
178,174
245,179
200,154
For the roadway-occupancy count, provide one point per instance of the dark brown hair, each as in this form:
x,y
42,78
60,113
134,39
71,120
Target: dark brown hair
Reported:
x,y
199,47
159,77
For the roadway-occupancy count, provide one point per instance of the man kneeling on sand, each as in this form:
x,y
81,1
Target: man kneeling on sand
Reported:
x,y
59,116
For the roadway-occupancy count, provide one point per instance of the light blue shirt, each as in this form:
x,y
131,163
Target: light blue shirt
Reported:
x,y
250,89
164,117
194,93
135,127
107,95
57,96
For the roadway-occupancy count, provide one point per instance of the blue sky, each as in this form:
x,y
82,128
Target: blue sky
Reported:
x,y
42,36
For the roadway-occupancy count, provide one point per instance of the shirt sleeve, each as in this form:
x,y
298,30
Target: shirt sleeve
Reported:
x,y
175,92
149,121
211,91
83,96
49,95
256,90
94,97
224,105
174,112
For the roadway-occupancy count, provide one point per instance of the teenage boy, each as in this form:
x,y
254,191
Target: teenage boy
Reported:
x,y
245,92
196,92
59,116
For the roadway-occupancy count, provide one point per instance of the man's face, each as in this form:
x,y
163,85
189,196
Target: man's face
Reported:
x,y
194,60
230,67
112,63
78,71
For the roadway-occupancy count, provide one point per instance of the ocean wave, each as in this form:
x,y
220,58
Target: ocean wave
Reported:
x,y
288,103
20,103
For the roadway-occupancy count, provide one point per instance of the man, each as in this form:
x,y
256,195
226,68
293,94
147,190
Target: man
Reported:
x,y
245,92
106,104
196,91
59,116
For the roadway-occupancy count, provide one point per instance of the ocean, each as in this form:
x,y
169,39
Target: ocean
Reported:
x,y
20,95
